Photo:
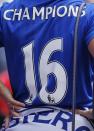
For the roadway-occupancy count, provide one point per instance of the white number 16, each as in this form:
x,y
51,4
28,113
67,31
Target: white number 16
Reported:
x,y
46,68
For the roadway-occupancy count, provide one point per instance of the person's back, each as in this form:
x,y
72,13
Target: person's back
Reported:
x,y
38,37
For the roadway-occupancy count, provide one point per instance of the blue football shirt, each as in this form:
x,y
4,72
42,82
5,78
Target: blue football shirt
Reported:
x,y
38,39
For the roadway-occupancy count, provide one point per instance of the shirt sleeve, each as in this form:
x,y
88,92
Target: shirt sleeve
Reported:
x,y
90,23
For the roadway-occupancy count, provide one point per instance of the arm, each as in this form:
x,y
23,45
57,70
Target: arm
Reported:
x,y
13,104
92,1
88,113
90,44
5,93
91,47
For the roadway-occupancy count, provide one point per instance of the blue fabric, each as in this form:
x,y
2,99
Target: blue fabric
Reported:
x,y
39,29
